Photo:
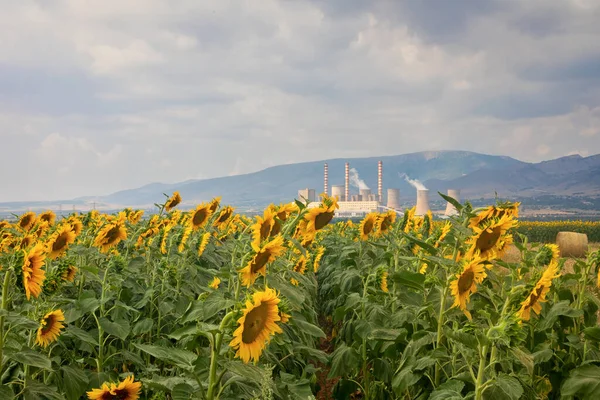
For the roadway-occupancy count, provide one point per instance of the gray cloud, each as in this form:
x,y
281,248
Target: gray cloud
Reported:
x,y
99,97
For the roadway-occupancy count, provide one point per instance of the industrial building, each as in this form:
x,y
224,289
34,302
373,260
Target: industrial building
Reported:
x,y
364,202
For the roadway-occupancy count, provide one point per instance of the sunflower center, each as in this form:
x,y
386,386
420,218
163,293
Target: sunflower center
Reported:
x,y
385,224
255,323
260,260
488,239
25,221
276,228
535,297
113,234
322,219
466,281
199,217
265,229
60,242
122,394
224,217
368,227
49,324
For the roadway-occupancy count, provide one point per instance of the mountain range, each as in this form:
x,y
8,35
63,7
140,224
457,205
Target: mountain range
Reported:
x,y
478,176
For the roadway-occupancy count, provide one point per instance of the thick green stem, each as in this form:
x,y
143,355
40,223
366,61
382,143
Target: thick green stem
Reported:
x,y
479,382
5,287
213,382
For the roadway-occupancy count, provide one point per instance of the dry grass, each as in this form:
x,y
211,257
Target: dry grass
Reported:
x,y
512,255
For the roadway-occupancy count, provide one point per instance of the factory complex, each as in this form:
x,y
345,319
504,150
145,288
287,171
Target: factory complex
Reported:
x,y
364,202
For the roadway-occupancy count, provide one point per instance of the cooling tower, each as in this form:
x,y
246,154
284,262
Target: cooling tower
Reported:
x,y
393,198
380,181
364,194
337,191
325,179
347,183
422,202
450,209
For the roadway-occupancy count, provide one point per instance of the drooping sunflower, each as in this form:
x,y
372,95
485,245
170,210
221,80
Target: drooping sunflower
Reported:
x,y
27,221
258,264
187,231
498,211
135,216
76,224
318,256
300,266
203,242
200,215
215,283
59,241
547,254
367,225
214,204
50,327
256,325
445,231
25,242
48,216
539,292
68,274
384,284
285,210
223,217
33,274
317,218
173,201
490,239
261,229
385,222
465,283
110,235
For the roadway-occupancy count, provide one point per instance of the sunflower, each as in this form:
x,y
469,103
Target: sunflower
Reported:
x,y
110,235
256,325
539,292
464,284
27,221
200,215
548,253
445,231
285,210
76,225
104,393
203,242
4,225
69,274
490,239
258,264
33,274
384,222
25,242
284,317
184,237
215,283
497,211
317,218
125,390
214,204
384,285
50,327
173,201
261,230
367,225
318,256
59,241
294,282
48,216
300,266
224,216
135,216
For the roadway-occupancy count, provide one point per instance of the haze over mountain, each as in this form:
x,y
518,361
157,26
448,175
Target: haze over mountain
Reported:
x,y
476,175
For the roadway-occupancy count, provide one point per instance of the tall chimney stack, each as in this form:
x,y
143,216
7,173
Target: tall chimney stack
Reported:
x,y
347,182
380,181
422,202
450,209
326,179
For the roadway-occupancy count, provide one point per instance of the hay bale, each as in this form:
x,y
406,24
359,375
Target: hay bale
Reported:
x,y
572,244
511,255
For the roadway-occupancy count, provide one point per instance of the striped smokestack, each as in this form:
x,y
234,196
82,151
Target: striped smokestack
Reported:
x,y
347,182
326,179
380,181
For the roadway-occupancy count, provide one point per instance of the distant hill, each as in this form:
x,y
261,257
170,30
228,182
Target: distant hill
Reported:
x,y
478,176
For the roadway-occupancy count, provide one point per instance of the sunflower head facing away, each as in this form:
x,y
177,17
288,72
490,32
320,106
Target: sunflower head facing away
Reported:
x,y
258,264
490,239
173,201
367,225
256,325
50,327
465,284
33,274
59,241
548,253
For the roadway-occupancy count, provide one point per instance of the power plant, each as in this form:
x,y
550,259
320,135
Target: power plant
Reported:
x,y
364,202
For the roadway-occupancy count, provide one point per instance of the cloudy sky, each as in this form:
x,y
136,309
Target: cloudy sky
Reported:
x,y
98,96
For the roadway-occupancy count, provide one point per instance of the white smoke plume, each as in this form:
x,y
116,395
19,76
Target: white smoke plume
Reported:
x,y
414,182
356,181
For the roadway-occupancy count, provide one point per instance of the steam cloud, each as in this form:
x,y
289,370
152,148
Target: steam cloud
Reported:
x,y
414,182
356,181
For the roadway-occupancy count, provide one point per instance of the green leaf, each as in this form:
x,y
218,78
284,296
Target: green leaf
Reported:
x,y
21,321
524,358
33,358
248,371
466,339
165,384
299,388
409,279
74,382
181,358
449,390
452,201
143,326
119,328
505,387
561,308
35,390
315,354
187,330
592,333
6,392
387,334
88,305
81,335
344,362
583,382
182,391
309,328
405,379
542,356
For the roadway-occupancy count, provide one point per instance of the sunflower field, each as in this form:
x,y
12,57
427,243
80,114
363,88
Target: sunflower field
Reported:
x,y
546,231
210,304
